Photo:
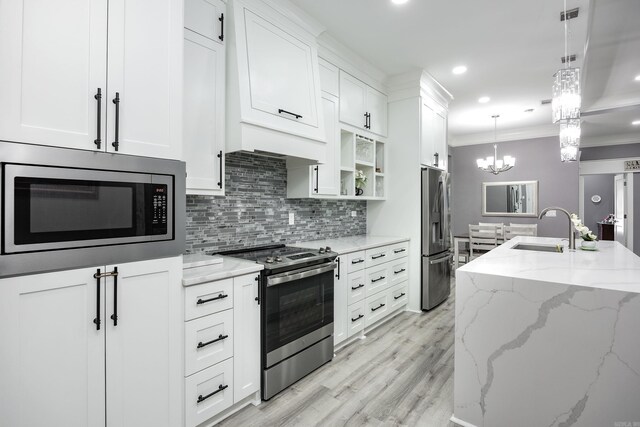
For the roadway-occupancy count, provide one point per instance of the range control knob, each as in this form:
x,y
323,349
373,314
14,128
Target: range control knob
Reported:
x,y
269,260
327,249
321,250
278,259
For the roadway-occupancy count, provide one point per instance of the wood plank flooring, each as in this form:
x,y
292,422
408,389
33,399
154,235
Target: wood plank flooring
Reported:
x,y
401,374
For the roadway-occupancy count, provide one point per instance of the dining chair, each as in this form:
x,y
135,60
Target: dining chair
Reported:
x,y
482,239
513,230
499,227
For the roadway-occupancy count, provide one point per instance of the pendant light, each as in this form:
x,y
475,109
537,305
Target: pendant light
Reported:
x,y
491,164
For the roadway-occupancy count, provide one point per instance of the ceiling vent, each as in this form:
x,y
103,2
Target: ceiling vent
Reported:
x,y
545,102
570,58
571,14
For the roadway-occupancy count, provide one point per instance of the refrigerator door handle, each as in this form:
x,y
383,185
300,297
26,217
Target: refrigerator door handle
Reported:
x,y
440,260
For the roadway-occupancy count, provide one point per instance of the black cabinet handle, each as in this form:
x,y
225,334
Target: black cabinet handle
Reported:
x,y
202,398
357,261
399,271
377,280
338,269
368,120
297,116
114,316
203,301
220,171
257,279
366,117
397,251
97,320
221,19
399,296
353,288
116,142
378,307
220,338
315,190
98,140
355,319
378,256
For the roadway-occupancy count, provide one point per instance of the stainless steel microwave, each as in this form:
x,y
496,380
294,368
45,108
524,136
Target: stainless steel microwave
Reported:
x,y
65,208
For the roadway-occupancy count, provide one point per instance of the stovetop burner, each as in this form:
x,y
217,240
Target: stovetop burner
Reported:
x,y
276,256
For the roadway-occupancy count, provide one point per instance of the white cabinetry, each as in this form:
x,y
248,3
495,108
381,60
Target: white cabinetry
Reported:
x,y
340,298
433,134
60,75
222,346
362,106
204,96
274,84
60,339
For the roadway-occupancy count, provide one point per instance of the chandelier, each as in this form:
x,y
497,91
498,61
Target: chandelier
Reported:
x,y
566,102
491,164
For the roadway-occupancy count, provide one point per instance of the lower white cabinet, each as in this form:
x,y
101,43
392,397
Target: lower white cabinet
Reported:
x,y
355,318
375,308
340,299
222,346
84,351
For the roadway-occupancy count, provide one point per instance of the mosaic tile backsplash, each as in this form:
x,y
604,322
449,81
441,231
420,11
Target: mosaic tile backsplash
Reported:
x,y
255,211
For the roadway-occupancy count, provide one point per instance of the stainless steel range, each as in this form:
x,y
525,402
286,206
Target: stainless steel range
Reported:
x,y
296,292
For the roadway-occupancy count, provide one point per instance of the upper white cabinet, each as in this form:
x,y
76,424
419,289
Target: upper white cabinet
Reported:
x,y
274,84
79,74
361,105
204,96
433,134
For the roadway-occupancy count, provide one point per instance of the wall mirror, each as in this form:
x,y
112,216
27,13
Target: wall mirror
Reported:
x,y
515,198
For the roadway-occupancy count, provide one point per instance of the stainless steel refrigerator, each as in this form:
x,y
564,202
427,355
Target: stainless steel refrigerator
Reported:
x,y
436,240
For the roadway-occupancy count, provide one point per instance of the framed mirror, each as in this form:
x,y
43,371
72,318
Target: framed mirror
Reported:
x,y
514,198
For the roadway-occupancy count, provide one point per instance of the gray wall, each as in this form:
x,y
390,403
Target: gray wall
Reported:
x,y
610,152
636,213
603,186
536,159
255,211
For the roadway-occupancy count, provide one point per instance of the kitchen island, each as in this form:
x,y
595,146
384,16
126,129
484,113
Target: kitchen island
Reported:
x,y
548,338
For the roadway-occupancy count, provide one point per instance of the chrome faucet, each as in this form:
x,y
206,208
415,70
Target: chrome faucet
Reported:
x,y
572,236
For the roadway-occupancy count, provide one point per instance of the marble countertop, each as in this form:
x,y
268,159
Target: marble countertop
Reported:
x,y
229,267
612,266
345,245
200,260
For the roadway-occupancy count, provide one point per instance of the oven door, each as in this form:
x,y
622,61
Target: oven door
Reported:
x,y
298,311
52,208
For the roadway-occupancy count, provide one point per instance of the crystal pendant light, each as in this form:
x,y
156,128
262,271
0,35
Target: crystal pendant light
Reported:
x,y
566,98
569,140
492,164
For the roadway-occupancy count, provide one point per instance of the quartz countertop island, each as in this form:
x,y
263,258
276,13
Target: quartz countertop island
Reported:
x,y
548,339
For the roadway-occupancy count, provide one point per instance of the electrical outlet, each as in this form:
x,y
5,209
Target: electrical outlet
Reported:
x,y
292,219
354,214
551,213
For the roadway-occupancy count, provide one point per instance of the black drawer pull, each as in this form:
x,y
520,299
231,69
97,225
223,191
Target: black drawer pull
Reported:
x,y
378,279
378,256
397,251
202,301
220,338
399,296
297,116
202,398
399,271
353,288
356,261
221,19
378,307
355,319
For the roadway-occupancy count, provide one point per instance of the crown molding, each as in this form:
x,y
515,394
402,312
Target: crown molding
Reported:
x,y
601,141
296,15
418,83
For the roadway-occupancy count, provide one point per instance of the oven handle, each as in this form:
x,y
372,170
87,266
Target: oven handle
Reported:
x,y
297,275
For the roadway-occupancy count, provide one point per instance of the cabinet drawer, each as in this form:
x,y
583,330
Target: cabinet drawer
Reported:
x,y
375,308
377,279
208,298
355,261
399,250
200,403
398,271
398,296
377,256
356,287
356,318
208,340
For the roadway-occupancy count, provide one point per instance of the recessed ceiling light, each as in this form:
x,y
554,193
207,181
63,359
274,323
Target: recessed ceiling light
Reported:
x,y
399,1
637,78
484,99
529,110
635,122
460,69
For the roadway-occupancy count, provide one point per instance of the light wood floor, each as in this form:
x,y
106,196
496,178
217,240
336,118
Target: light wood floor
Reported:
x,y
401,374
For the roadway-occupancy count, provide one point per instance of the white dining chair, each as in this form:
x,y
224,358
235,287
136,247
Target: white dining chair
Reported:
x,y
498,225
513,230
482,239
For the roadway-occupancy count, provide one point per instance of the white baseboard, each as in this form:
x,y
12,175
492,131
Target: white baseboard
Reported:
x,y
454,420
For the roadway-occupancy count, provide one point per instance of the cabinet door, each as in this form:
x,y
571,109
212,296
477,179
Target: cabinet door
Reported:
x,y
440,137
325,179
340,327
53,60
246,344
52,354
377,108
283,79
433,135
353,94
145,70
205,17
144,350
203,120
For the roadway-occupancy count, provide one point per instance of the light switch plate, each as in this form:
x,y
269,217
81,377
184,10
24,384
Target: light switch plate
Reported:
x,y
551,213
292,219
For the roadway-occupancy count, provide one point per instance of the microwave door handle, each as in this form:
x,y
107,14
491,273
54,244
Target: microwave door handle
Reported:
x,y
290,277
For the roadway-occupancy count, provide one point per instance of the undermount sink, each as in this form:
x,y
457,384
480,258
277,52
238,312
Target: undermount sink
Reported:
x,y
539,248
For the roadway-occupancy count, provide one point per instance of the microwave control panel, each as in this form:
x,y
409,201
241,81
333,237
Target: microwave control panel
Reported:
x,y
160,203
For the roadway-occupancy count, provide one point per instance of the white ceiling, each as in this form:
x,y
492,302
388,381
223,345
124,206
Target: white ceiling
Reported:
x,y
511,49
